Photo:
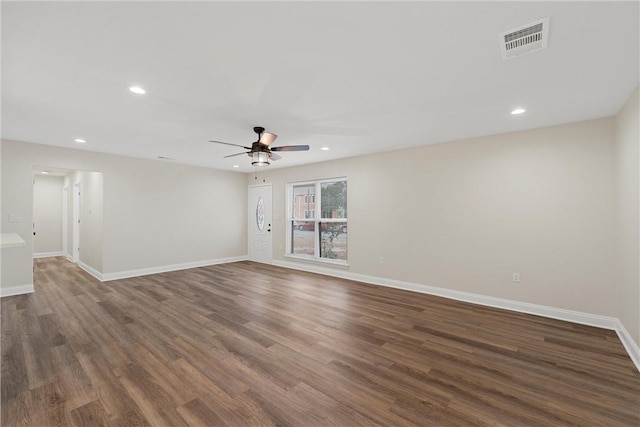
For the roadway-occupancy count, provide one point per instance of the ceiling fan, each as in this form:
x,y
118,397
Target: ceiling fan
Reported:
x,y
260,152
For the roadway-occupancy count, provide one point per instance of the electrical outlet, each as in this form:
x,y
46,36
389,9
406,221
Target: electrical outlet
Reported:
x,y
381,260
516,277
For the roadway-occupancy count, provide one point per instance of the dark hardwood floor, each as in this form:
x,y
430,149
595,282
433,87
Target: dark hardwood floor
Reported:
x,y
246,344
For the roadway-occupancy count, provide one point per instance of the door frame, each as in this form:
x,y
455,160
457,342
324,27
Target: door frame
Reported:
x,y
65,220
77,191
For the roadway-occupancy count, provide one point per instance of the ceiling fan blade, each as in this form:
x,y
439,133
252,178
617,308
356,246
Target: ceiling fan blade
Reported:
x,y
234,145
274,156
267,138
233,155
291,148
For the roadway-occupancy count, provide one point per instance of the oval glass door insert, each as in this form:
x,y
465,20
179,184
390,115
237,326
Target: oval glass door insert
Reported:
x,y
260,214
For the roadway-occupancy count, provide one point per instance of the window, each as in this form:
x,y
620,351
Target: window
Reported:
x,y
318,231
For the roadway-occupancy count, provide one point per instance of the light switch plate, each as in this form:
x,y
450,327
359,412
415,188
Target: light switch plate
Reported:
x,y
13,217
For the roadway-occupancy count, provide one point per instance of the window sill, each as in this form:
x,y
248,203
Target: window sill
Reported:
x,y
336,263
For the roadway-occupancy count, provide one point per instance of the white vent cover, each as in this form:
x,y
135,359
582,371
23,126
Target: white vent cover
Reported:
x,y
526,39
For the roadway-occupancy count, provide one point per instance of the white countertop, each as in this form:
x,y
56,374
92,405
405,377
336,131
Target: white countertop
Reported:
x,y
11,240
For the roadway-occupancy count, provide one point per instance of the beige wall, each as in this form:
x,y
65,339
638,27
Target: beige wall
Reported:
x,y
627,164
465,215
47,214
154,213
91,219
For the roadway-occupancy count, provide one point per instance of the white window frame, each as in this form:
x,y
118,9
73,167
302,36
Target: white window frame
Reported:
x,y
315,218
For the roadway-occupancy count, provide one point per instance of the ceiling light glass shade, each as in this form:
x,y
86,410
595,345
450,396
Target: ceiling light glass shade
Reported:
x,y
260,159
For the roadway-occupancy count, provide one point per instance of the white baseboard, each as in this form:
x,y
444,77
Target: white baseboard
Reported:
x,y
16,290
47,254
629,344
604,322
522,307
25,289
92,271
165,268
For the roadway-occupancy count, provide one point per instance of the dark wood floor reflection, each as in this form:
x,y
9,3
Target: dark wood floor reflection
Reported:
x,y
246,344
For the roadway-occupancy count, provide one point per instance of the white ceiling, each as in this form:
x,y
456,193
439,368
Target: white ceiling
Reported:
x,y
357,77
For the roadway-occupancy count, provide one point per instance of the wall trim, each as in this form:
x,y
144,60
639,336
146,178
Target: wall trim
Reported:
x,y
582,318
92,271
166,268
629,344
8,291
47,254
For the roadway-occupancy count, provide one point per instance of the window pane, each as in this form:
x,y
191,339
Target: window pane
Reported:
x,y
303,204
302,237
334,199
333,240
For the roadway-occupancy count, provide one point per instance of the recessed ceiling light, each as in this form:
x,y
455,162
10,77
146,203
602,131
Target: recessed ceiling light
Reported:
x,y
325,148
236,166
79,140
137,90
518,111
44,172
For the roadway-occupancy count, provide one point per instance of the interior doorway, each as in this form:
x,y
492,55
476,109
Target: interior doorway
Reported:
x,y
48,214
77,194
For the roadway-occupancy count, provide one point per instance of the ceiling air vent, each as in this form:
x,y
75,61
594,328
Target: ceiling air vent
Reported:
x,y
526,39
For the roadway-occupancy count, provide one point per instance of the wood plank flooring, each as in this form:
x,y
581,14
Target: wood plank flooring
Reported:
x,y
245,344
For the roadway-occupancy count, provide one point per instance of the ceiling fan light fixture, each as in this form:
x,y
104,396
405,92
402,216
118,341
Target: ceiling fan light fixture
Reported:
x,y
260,159
260,152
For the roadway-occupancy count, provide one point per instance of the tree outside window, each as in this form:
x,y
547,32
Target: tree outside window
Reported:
x,y
334,206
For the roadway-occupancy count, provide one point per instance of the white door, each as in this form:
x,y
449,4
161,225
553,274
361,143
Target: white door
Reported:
x,y
259,223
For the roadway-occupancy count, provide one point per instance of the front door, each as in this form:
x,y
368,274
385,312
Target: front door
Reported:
x,y
259,223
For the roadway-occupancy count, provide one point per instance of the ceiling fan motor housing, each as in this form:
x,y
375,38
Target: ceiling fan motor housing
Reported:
x,y
258,146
